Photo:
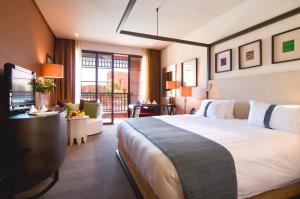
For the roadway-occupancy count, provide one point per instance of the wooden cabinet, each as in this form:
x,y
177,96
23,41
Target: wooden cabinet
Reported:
x,y
45,139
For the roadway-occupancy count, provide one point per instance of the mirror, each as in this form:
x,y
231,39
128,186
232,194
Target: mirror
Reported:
x,y
189,73
168,74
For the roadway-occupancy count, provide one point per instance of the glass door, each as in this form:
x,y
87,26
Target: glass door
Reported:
x,y
135,81
97,81
105,88
111,79
121,88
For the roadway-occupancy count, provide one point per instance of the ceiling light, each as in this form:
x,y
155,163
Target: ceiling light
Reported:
x,y
76,34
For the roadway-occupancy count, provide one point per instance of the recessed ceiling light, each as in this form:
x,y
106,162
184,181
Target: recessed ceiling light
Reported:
x,y
76,34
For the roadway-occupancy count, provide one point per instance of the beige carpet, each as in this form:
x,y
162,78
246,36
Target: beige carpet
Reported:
x,y
92,171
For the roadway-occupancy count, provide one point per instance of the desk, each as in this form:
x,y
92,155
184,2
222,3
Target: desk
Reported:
x,y
171,108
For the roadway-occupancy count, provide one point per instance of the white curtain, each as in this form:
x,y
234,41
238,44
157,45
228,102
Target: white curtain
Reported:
x,y
77,71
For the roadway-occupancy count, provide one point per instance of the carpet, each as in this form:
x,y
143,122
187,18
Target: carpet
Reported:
x,y
91,170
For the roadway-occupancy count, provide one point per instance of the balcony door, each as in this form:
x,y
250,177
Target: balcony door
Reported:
x,y
97,81
105,78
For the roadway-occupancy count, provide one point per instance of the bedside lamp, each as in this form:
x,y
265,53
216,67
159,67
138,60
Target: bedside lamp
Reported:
x,y
170,85
53,71
186,92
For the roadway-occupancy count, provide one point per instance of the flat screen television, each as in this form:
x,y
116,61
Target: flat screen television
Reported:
x,y
19,83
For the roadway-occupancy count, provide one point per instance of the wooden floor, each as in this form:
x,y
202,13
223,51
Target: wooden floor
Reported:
x,y
91,171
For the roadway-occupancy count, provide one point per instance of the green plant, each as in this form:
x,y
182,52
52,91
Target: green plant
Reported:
x,y
44,85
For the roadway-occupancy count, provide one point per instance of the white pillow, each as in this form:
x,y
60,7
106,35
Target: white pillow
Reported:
x,y
230,106
286,118
283,117
257,113
222,109
201,110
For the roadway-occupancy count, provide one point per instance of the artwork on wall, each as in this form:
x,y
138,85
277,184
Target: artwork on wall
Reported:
x,y
168,74
189,73
286,46
250,54
223,61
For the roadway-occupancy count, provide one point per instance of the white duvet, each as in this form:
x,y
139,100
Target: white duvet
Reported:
x,y
264,159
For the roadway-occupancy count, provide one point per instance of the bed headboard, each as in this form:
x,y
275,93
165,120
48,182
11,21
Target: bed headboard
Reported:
x,y
278,88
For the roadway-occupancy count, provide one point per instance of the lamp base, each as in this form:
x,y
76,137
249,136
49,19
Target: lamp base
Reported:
x,y
170,100
185,101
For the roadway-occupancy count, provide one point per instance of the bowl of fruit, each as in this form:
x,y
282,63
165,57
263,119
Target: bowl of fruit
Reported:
x,y
75,113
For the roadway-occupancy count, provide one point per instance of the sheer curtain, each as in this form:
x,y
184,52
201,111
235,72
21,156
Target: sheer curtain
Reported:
x,y
77,71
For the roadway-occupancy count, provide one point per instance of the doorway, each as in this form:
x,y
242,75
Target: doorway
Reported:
x,y
111,79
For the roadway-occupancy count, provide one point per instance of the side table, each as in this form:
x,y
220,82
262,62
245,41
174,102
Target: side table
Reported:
x,y
77,130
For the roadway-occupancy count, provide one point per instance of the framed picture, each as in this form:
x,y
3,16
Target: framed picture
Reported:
x,y
250,54
286,46
189,73
223,61
49,59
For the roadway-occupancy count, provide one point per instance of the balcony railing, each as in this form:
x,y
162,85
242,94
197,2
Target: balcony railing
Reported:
x,y
120,101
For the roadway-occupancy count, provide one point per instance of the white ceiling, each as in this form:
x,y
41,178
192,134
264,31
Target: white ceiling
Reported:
x,y
199,20
97,20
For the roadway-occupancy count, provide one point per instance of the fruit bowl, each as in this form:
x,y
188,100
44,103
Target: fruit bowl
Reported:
x,y
75,113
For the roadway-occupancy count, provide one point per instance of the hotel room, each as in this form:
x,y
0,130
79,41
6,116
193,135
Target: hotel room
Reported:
x,y
160,99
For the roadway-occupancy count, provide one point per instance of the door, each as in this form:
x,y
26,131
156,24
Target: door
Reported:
x,y
97,80
105,88
121,88
111,79
135,85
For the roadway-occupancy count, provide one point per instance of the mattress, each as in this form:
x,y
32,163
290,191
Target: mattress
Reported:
x,y
264,159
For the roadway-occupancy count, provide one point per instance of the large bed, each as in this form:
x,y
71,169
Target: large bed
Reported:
x,y
264,159
267,161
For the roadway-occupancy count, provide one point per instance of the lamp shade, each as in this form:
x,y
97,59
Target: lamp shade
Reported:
x,y
170,84
53,70
186,91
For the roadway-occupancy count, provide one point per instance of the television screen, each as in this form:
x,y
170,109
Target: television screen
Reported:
x,y
20,88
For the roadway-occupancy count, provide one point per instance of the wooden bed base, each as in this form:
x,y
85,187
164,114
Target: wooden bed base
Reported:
x,y
143,189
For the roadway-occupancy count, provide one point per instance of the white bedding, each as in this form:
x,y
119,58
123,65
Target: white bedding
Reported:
x,y
264,159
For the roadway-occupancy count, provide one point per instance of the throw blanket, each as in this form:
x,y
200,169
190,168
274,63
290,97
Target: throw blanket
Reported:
x,y
205,168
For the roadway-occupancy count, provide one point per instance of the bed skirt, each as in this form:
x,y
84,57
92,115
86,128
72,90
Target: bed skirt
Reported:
x,y
283,193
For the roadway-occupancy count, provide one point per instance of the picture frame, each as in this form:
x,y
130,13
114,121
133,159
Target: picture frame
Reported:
x,y
286,46
250,54
49,59
223,61
189,70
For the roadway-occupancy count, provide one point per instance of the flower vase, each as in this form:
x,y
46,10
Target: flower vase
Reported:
x,y
41,100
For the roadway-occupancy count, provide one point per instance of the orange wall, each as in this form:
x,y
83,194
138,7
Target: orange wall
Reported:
x,y
25,38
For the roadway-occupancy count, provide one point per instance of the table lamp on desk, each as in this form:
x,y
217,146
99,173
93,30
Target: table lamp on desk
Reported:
x,y
186,92
52,71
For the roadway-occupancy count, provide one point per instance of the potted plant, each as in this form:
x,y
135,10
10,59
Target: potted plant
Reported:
x,y
43,86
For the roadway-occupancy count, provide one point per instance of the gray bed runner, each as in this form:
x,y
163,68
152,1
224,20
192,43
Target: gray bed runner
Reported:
x,y
205,168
